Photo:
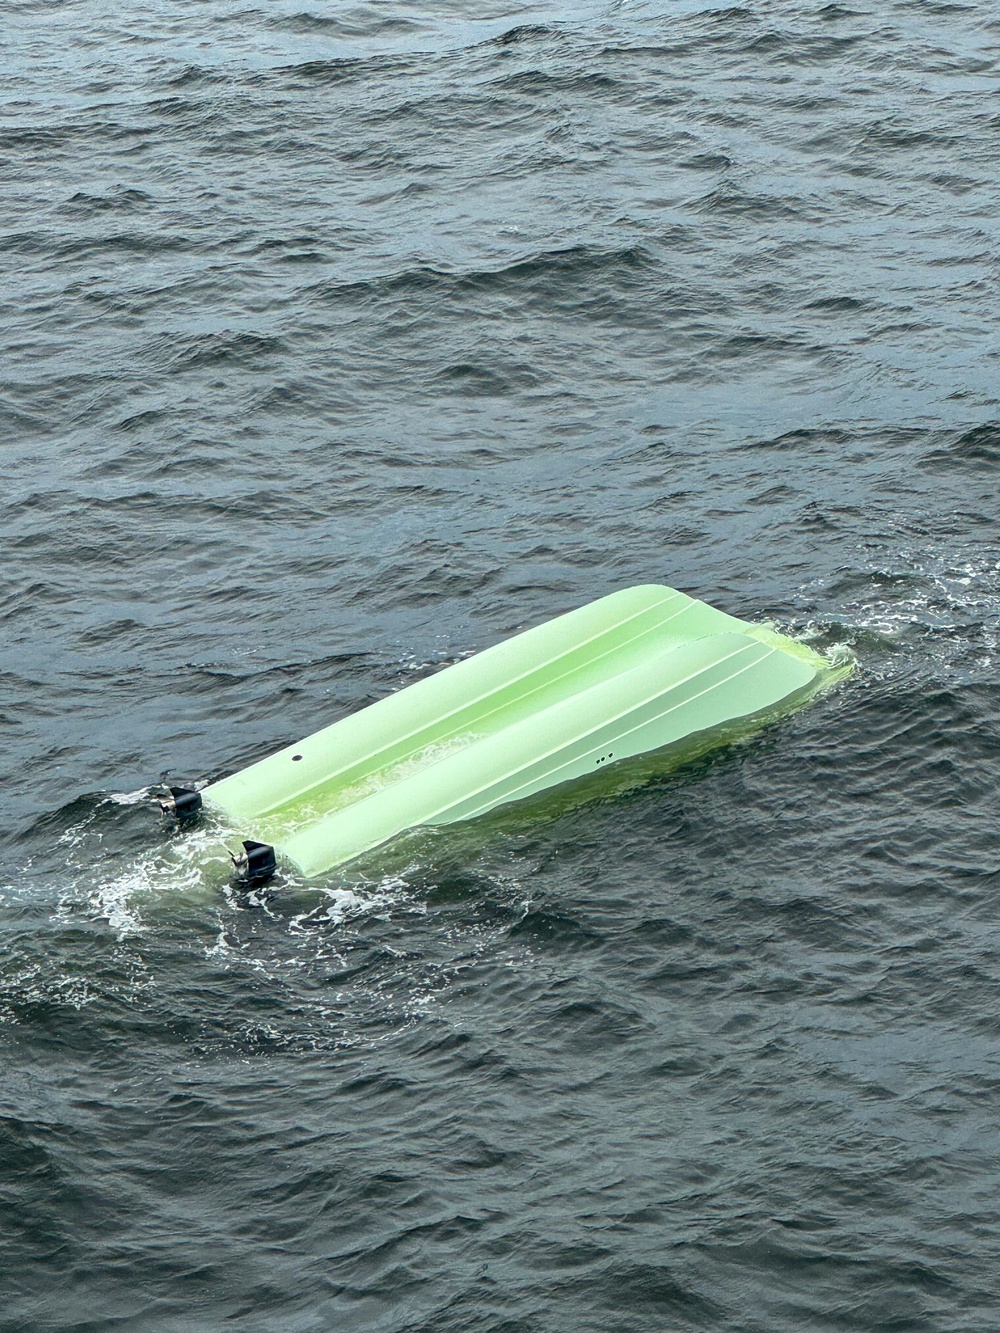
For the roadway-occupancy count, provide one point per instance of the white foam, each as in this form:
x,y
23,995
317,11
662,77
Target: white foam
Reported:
x,y
143,796
923,609
347,904
189,864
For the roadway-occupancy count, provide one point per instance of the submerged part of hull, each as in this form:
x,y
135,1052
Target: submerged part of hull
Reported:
x,y
632,672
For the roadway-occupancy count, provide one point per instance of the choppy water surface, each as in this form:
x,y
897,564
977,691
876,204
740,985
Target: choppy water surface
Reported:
x,y
342,341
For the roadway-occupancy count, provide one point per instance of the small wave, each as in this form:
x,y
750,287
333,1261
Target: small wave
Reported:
x,y
977,448
15,419
132,243
837,304
553,930
545,81
367,23
524,32
575,278
798,440
730,200
196,74
129,200
224,347
795,48
343,69
483,381
892,135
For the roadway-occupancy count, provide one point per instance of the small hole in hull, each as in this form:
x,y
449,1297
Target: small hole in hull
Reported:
x,y
296,756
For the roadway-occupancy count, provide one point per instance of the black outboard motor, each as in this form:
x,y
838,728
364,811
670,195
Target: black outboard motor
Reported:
x,y
255,865
183,803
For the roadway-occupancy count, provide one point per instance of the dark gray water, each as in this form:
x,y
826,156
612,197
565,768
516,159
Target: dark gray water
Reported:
x,y
340,341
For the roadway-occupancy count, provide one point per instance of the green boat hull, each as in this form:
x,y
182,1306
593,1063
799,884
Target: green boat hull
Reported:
x,y
633,672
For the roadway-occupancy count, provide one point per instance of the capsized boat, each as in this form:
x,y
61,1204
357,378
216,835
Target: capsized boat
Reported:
x,y
631,672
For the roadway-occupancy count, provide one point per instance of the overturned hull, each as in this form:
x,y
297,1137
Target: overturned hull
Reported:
x,y
632,672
